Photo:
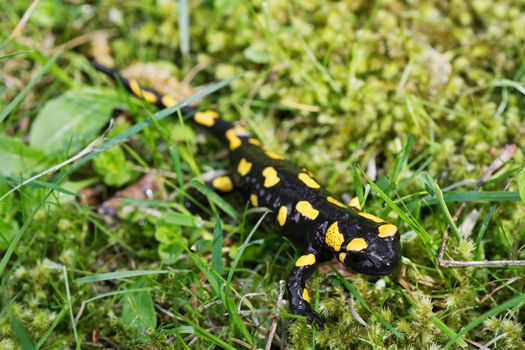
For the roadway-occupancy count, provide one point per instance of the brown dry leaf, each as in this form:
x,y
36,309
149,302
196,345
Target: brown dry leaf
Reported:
x,y
145,188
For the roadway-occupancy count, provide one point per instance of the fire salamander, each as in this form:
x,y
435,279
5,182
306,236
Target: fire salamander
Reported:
x,y
320,225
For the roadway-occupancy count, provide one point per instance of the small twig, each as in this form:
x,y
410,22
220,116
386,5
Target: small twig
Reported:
x,y
509,282
354,313
476,344
89,148
23,21
275,320
193,73
84,38
507,154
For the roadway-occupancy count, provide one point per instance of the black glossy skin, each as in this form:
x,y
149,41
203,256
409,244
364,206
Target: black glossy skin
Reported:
x,y
381,254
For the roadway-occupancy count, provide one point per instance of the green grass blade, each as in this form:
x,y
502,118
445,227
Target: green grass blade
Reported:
x,y
420,231
449,332
444,208
118,275
20,233
243,247
201,333
13,54
180,219
216,199
52,327
216,249
184,27
494,311
20,331
521,184
35,79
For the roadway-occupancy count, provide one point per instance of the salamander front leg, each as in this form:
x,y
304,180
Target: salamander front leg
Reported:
x,y
298,294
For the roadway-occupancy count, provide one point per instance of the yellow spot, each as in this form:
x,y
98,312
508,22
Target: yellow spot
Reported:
x,y
168,101
281,215
342,257
254,200
356,245
308,181
335,201
306,209
135,87
206,118
149,96
254,141
371,217
306,297
333,237
387,230
274,155
223,183
244,167
235,141
355,203
270,177
305,260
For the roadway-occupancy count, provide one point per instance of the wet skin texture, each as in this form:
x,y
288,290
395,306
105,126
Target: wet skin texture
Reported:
x,y
317,223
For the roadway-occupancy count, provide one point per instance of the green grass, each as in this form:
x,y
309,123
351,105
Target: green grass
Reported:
x,y
402,105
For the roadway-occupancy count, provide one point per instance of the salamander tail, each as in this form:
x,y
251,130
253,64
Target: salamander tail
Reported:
x,y
208,119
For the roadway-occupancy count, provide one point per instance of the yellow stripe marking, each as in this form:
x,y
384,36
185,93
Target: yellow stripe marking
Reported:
x,y
244,167
254,141
281,215
305,260
335,201
270,177
387,230
355,203
308,181
206,118
235,141
342,257
168,101
254,200
306,209
333,237
306,297
274,155
371,217
223,183
356,245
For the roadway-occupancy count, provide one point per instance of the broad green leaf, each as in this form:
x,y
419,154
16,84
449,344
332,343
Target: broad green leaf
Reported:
x,y
256,55
169,253
68,122
18,159
138,311
521,184
113,166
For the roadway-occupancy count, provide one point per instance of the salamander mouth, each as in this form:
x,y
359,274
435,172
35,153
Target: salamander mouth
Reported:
x,y
375,265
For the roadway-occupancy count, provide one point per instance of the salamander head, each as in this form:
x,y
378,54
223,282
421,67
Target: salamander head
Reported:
x,y
365,244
